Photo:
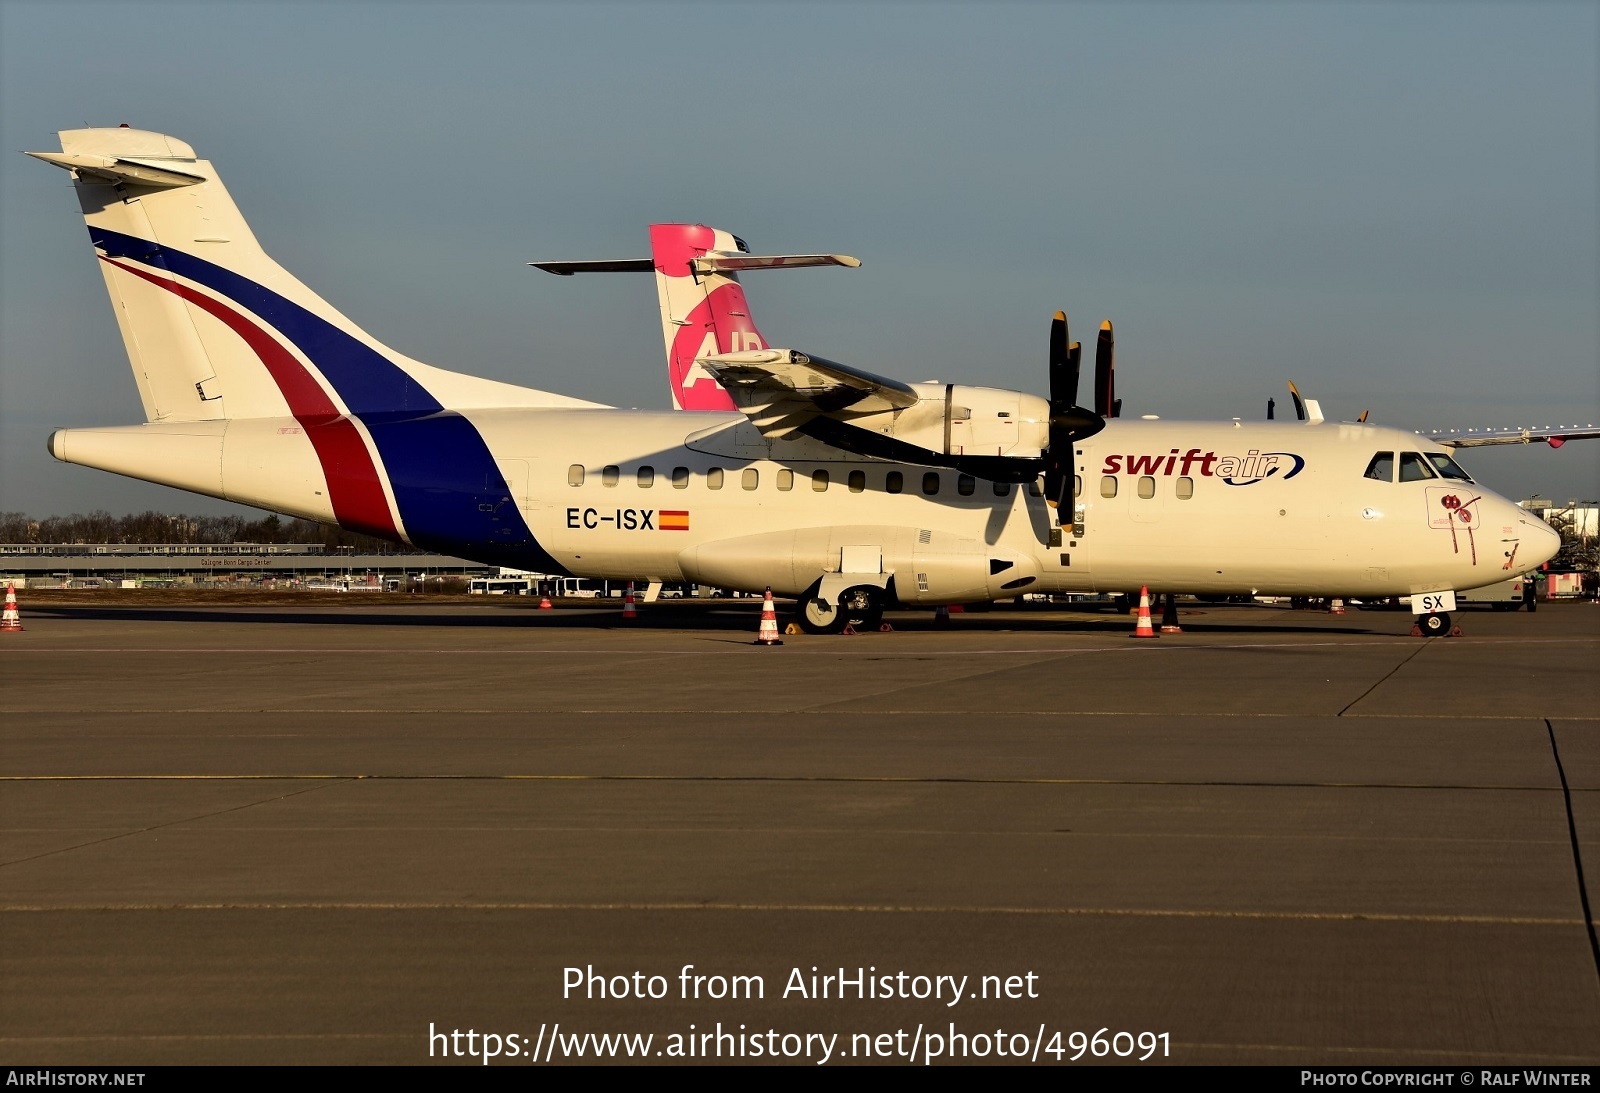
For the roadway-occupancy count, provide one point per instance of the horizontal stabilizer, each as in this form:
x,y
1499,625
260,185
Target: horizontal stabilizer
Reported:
x,y
738,263
716,263
139,172
599,265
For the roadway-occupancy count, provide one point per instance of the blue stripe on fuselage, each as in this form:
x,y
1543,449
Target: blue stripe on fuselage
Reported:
x,y
369,383
451,494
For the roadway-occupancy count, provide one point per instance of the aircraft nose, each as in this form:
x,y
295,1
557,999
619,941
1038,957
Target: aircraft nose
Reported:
x,y
1540,540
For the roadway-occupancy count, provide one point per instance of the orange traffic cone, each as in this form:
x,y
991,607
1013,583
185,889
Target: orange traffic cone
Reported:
x,y
1144,629
629,612
768,632
545,604
12,620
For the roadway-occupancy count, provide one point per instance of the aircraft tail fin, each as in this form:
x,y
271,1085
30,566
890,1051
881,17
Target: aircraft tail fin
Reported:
x,y
214,328
703,313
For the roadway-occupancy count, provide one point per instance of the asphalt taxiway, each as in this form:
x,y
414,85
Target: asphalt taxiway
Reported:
x,y
310,834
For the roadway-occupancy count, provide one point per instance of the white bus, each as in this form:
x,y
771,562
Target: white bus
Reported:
x,y
500,586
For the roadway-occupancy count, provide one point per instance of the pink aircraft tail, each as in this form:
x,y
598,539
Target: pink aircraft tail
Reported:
x,y
702,313
703,309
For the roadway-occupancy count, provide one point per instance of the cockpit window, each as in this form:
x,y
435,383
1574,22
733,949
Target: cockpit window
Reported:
x,y
1413,468
1382,467
1447,467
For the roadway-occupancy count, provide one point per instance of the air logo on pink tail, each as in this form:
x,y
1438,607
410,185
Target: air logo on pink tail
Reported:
x,y
711,329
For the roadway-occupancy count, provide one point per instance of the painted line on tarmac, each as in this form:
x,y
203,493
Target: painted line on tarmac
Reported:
x,y
801,908
912,832
801,779
763,711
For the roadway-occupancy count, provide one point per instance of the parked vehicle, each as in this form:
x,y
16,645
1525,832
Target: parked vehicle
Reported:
x,y
1502,596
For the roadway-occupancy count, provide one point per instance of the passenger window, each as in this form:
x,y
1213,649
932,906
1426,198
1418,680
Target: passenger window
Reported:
x,y
858,481
1185,488
609,476
1447,467
575,475
965,484
1147,486
1077,485
1108,486
1381,469
752,478
894,482
930,483
1413,468
819,481
680,478
1002,489
647,477
714,478
786,479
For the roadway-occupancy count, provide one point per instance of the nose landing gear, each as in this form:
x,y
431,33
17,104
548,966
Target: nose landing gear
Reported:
x,y
1435,624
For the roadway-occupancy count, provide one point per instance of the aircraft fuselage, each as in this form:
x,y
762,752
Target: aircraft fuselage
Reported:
x,y
1201,507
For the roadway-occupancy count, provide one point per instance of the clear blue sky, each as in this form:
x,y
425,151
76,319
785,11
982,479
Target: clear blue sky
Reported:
x,y
1394,205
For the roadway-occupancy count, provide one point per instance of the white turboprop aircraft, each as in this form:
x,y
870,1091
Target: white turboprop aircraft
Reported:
x,y
850,491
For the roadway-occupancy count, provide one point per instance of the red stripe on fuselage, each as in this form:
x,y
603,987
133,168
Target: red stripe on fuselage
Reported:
x,y
354,490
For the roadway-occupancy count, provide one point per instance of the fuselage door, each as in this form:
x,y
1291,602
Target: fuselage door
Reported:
x,y
1066,564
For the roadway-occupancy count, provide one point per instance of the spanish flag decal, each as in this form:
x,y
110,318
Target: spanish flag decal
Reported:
x,y
674,519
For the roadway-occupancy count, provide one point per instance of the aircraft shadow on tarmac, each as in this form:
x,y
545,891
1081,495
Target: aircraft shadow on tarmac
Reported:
x,y
721,618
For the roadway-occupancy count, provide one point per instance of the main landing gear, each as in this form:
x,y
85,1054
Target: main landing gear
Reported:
x,y
860,607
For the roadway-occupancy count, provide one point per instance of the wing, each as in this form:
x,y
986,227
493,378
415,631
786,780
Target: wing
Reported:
x,y
1555,436
788,394
782,390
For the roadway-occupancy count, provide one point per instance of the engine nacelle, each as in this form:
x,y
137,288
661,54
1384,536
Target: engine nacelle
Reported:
x,y
957,419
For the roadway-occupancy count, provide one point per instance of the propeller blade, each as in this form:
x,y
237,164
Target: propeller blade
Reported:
x,y
1058,348
1272,404
1064,366
1105,387
1299,403
1068,420
1363,416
